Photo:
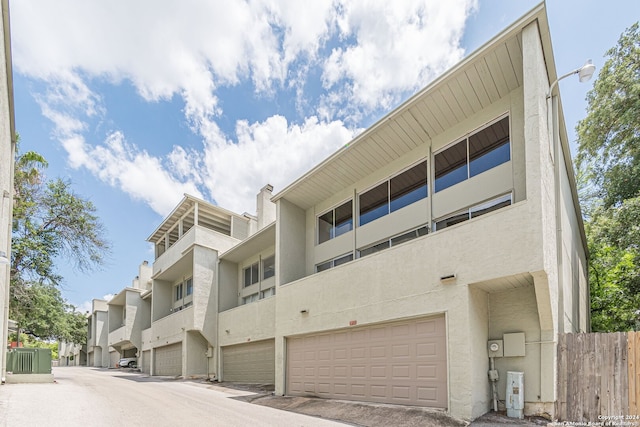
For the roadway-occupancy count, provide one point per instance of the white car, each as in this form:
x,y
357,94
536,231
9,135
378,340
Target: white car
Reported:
x,y
128,362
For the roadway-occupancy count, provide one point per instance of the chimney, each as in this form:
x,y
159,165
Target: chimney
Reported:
x,y
266,209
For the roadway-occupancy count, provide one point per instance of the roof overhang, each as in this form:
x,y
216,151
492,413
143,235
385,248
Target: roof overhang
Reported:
x,y
263,239
483,77
212,212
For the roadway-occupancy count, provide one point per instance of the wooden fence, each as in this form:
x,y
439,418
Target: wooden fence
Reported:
x,y
598,376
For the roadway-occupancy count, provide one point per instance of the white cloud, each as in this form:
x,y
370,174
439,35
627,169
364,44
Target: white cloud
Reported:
x,y
368,55
273,151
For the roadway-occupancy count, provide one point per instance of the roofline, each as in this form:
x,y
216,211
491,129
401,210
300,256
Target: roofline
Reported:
x,y
246,241
536,13
197,200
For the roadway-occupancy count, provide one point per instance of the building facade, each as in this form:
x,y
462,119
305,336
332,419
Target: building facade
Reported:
x,y
444,239
98,334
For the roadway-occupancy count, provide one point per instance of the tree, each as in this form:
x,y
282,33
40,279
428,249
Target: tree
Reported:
x,y
50,223
609,156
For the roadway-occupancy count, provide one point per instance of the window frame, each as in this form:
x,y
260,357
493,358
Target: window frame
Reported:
x,y
389,241
389,201
332,262
250,268
272,269
468,211
466,141
334,227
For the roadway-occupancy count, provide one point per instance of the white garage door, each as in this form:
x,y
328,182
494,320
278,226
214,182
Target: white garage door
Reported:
x,y
250,363
168,360
401,363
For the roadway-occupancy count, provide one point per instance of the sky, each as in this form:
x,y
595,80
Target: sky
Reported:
x,y
138,102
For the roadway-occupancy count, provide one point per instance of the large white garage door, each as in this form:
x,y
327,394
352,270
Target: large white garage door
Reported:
x,y
402,363
250,363
168,360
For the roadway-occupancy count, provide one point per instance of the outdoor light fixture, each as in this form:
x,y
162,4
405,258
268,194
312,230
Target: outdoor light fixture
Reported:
x,y
584,75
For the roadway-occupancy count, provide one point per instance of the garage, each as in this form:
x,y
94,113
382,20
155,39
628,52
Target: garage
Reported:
x,y
168,360
249,363
400,363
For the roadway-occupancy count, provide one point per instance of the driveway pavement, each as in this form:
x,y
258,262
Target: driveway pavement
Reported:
x,y
84,396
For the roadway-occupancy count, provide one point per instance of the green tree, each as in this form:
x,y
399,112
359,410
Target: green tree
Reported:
x,y
609,163
51,224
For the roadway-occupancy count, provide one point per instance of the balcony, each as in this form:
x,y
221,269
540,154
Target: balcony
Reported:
x,y
254,321
196,235
168,327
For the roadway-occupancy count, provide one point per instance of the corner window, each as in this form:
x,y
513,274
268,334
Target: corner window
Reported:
x,y
401,190
251,275
481,151
336,222
189,286
334,262
474,211
268,267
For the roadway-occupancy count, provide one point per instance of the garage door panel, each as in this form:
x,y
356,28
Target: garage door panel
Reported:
x,y
253,363
402,362
168,360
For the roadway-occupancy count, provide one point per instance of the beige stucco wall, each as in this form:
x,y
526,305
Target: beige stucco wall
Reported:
x,y
249,322
404,281
7,148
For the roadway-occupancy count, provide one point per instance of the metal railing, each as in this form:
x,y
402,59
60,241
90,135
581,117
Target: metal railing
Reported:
x,y
29,361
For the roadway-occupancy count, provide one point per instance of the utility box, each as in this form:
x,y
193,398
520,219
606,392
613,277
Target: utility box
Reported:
x,y
29,361
514,344
494,348
515,394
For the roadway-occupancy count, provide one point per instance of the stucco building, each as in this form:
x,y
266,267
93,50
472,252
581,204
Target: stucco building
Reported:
x,y
98,334
385,273
7,152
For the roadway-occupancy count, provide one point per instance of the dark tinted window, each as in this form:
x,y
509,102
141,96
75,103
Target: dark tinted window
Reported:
x,y
408,187
451,166
374,203
489,147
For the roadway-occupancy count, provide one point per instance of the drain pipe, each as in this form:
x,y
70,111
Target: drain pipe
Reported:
x,y
493,377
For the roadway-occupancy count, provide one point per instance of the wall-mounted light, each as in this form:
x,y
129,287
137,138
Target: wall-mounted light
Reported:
x,y
448,278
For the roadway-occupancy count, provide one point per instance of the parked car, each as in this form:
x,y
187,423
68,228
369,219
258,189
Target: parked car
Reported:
x,y
128,362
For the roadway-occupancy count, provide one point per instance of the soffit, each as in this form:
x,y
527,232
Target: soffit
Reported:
x,y
259,241
485,76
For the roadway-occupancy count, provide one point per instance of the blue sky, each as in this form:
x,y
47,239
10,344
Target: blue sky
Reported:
x,y
137,103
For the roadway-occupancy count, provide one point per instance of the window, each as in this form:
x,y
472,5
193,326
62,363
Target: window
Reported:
x,y
401,190
474,211
401,238
484,150
267,293
250,298
251,275
336,222
334,262
178,292
189,286
268,267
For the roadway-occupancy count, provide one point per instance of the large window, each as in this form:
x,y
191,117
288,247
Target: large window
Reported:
x,y
268,267
251,275
483,150
393,241
342,259
178,292
189,286
473,211
335,222
402,190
